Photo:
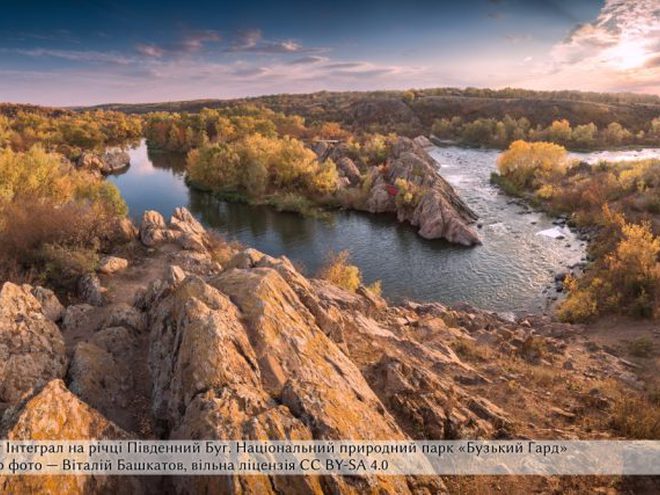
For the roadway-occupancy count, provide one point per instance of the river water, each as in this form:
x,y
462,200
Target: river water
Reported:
x,y
513,271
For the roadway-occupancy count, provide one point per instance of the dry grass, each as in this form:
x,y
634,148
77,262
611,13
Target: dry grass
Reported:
x,y
45,243
221,249
472,351
339,271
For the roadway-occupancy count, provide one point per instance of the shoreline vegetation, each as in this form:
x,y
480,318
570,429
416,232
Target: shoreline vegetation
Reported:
x,y
619,203
257,156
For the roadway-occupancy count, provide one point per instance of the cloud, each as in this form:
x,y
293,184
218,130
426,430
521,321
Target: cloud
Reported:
x,y
311,59
191,42
252,41
195,40
617,51
624,36
149,50
344,65
75,55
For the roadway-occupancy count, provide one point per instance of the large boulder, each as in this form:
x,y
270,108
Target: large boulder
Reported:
x,y
115,160
54,413
112,264
438,211
90,290
436,218
98,378
110,162
31,346
152,229
50,304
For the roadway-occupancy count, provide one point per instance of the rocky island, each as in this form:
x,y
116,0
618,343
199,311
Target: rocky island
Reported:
x,y
410,186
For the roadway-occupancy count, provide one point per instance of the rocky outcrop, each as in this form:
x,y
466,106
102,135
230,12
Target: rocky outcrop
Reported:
x,y
115,160
50,305
224,368
31,346
54,413
110,162
255,350
152,228
99,379
408,185
435,208
348,169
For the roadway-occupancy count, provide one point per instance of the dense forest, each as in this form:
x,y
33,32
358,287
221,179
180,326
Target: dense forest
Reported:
x,y
415,112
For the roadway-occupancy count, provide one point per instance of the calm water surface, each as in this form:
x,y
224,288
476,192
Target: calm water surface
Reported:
x,y
511,271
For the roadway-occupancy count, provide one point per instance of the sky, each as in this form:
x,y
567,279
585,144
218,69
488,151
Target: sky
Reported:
x,y
88,52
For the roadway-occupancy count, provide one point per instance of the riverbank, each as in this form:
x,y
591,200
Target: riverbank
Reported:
x,y
498,275
231,321
616,206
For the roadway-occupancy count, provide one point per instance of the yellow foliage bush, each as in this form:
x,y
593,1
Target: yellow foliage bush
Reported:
x,y
626,280
526,165
52,217
340,272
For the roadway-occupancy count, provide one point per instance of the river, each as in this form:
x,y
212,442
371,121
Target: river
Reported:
x,y
513,271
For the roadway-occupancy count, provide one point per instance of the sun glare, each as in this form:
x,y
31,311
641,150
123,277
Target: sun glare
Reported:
x,y
628,54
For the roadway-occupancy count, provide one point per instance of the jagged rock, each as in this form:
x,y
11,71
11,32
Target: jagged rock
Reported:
x,y
90,290
244,259
31,346
115,160
175,275
381,197
197,262
125,230
118,341
245,358
348,169
436,219
423,141
90,161
124,315
50,304
244,413
112,264
78,317
197,343
98,378
152,229
191,242
184,221
439,212
54,413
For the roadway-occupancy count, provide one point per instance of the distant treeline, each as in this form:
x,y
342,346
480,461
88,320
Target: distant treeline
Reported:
x,y
501,133
414,112
63,131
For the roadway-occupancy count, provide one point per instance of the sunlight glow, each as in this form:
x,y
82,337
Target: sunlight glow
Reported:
x,y
628,54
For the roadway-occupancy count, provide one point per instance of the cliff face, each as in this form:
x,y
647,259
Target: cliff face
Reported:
x,y
252,349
